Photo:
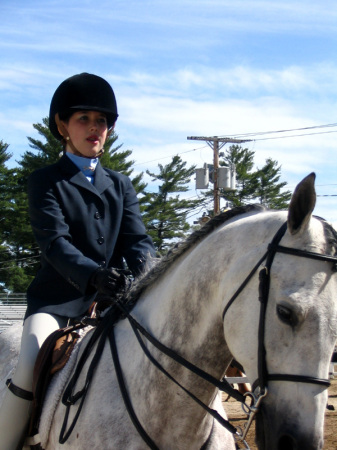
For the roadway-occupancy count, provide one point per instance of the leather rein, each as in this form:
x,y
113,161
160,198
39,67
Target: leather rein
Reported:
x,y
105,331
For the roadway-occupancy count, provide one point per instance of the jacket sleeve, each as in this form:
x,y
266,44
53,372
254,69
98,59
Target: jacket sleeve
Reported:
x,y
134,244
52,233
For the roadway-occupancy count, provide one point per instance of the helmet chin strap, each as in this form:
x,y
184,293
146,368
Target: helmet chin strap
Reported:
x,y
64,133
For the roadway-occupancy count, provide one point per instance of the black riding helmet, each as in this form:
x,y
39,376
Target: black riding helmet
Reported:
x,y
86,92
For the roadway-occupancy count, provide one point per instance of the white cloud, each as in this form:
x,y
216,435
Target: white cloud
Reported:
x,y
242,81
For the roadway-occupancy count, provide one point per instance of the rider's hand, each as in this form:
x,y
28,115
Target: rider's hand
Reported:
x,y
107,281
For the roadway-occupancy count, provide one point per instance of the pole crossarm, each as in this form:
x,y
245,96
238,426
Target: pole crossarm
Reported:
x,y
225,140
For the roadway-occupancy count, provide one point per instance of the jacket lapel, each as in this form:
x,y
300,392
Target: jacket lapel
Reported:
x,y
102,181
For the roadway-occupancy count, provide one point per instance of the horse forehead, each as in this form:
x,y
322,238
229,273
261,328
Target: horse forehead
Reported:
x,y
315,238
308,278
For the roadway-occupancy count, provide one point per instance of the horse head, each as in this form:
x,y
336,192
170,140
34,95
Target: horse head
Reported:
x,y
298,328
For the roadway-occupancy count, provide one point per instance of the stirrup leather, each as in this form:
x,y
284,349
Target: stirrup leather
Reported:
x,y
19,392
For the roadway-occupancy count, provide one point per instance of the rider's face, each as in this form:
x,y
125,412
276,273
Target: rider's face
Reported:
x,y
87,131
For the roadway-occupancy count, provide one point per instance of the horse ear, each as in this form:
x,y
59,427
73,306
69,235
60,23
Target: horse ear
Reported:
x,y
302,204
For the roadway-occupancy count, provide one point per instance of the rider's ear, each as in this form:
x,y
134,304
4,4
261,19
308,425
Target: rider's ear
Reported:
x,y
302,204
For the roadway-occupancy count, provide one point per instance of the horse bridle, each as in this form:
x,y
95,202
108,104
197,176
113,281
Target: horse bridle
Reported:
x,y
259,386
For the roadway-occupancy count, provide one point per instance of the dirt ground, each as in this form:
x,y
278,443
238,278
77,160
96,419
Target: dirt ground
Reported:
x,y
237,417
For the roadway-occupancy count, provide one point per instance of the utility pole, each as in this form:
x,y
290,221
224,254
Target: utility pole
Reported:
x,y
216,143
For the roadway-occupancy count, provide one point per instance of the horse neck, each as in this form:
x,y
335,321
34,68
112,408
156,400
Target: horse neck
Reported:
x,y
183,308
182,311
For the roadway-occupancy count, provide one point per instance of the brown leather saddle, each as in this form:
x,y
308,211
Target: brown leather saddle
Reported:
x,y
53,355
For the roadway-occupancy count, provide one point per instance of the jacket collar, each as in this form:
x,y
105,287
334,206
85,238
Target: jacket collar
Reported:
x,y
102,180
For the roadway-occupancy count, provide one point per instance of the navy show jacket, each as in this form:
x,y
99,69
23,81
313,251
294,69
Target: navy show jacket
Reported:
x,y
80,227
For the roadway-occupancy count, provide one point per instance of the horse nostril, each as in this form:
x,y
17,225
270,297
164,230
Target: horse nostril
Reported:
x,y
286,443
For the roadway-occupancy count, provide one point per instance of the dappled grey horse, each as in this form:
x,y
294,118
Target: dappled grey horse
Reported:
x,y
256,285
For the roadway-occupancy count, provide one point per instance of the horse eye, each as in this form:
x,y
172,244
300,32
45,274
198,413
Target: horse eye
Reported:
x,y
286,315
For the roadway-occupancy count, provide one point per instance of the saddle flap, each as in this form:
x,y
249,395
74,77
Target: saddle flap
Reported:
x,y
62,351
53,355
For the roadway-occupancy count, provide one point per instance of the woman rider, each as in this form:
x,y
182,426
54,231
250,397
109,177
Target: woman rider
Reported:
x,y
86,221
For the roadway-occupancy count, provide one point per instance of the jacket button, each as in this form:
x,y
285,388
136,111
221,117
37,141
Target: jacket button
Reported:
x,y
100,240
97,215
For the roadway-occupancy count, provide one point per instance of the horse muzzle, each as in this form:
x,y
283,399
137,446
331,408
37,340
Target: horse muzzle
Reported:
x,y
276,430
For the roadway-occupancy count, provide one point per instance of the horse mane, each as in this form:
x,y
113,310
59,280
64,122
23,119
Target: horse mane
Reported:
x,y
330,235
161,265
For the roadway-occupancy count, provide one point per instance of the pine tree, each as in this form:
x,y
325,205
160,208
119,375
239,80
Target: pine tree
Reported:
x,y
115,159
252,186
269,189
45,152
14,255
6,184
246,179
165,214
6,211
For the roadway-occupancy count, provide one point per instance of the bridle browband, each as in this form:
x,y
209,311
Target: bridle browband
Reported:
x,y
106,330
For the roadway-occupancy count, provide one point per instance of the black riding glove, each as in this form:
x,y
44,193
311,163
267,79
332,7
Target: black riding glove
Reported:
x,y
107,281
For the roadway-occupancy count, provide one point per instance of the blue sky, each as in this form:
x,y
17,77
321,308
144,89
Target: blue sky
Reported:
x,y
184,68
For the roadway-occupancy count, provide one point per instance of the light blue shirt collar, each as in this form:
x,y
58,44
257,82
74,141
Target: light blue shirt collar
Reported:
x,y
86,165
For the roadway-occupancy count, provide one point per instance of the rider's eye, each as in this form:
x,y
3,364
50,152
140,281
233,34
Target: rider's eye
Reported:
x,y
286,315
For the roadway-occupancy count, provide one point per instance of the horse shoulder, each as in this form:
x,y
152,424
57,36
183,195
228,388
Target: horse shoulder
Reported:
x,y
10,341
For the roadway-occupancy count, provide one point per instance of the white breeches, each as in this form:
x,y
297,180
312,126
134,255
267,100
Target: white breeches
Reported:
x,y
14,411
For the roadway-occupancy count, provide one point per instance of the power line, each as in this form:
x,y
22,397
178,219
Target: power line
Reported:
x,y
284,131
252,134
169,156
294,135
